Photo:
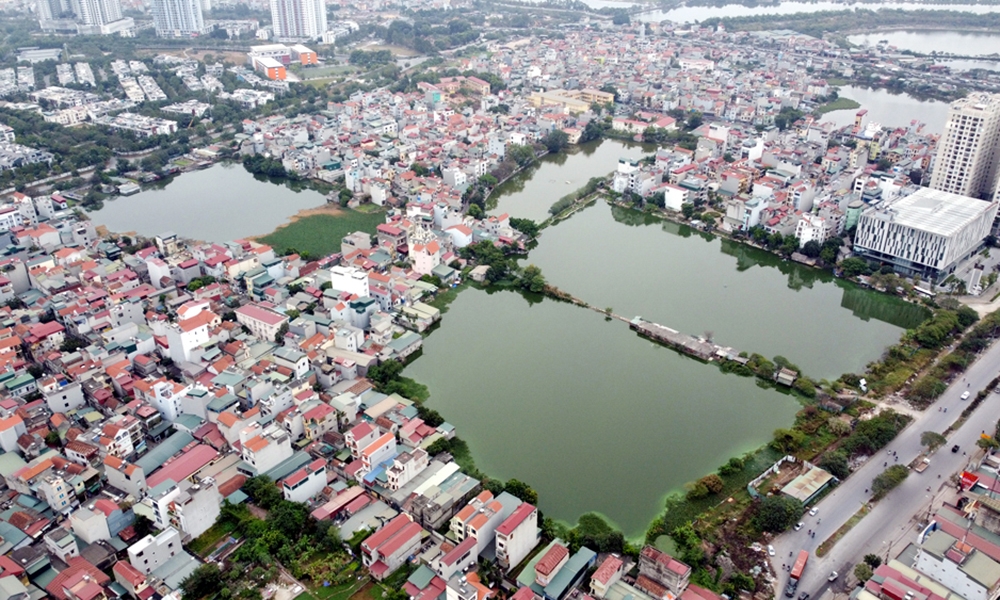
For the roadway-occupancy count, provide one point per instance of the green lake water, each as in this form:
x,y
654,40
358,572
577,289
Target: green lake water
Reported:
x,y
596,418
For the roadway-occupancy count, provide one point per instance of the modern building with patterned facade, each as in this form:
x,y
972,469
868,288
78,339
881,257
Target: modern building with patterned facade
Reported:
x,y
926,233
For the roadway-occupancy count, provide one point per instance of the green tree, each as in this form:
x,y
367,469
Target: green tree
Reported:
x,y
521,490
525,226
532,279
384,373
556,141
788,440
279,336
835,463
713,483
852,267
887,480
863,572
812,249
873,560
932,439
204,581
776,514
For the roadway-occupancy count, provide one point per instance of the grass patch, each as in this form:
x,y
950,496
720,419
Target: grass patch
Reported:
x,y
371,591
206,542
369,209
305,596
339,592
316,72
838,104
320,235
319,83
836,81
831,541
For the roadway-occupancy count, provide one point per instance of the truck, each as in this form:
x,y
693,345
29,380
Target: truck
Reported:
x,y
797,569
800,565
920,465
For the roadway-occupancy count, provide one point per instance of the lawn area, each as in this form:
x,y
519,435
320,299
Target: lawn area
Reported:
x,y
838,104
312,72
206,542
320,235
371,591
319,83
340,592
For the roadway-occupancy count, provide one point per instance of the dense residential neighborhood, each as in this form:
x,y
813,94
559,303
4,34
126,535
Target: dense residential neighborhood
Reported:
x,y
211,418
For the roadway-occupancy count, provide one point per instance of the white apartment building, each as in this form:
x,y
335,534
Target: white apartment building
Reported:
x,y
305,483
98,12
57,493
517,536
812,228
349,279
178,18
926,233
185,338
298,19
405,467
969,150
150,552
264,449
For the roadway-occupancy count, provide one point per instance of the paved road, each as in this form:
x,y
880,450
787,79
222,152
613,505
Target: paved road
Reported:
x,y
896,515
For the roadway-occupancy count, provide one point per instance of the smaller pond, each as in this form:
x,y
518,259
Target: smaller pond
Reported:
x,y
687,14
891,110
221,203
962,43
557,175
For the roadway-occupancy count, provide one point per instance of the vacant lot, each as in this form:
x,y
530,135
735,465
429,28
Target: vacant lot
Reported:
x,y
320,234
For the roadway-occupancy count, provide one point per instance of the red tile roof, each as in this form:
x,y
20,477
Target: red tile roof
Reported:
x,y
515,519
548,563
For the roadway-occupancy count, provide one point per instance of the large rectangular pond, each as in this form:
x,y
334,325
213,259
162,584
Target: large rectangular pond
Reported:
x,y
594,417
218,204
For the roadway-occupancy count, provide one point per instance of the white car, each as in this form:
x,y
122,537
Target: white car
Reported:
x,y
813,512
965,395
798,526
770,550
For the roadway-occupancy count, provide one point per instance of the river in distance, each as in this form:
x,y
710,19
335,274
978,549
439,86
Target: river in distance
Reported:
x,y
595,417
221,203
690,14
961,43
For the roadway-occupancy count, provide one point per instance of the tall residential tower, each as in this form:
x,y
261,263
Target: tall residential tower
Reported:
x,y
969,151
178,18
298,19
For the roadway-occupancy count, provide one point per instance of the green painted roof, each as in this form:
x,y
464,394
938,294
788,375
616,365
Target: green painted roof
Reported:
x,y
155,458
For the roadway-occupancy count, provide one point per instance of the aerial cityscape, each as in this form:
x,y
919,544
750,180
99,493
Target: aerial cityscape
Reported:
x,y
499,299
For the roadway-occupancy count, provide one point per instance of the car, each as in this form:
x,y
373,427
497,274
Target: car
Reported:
x,y
813,512
770,550
955,449
798,526
965,395
833,576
